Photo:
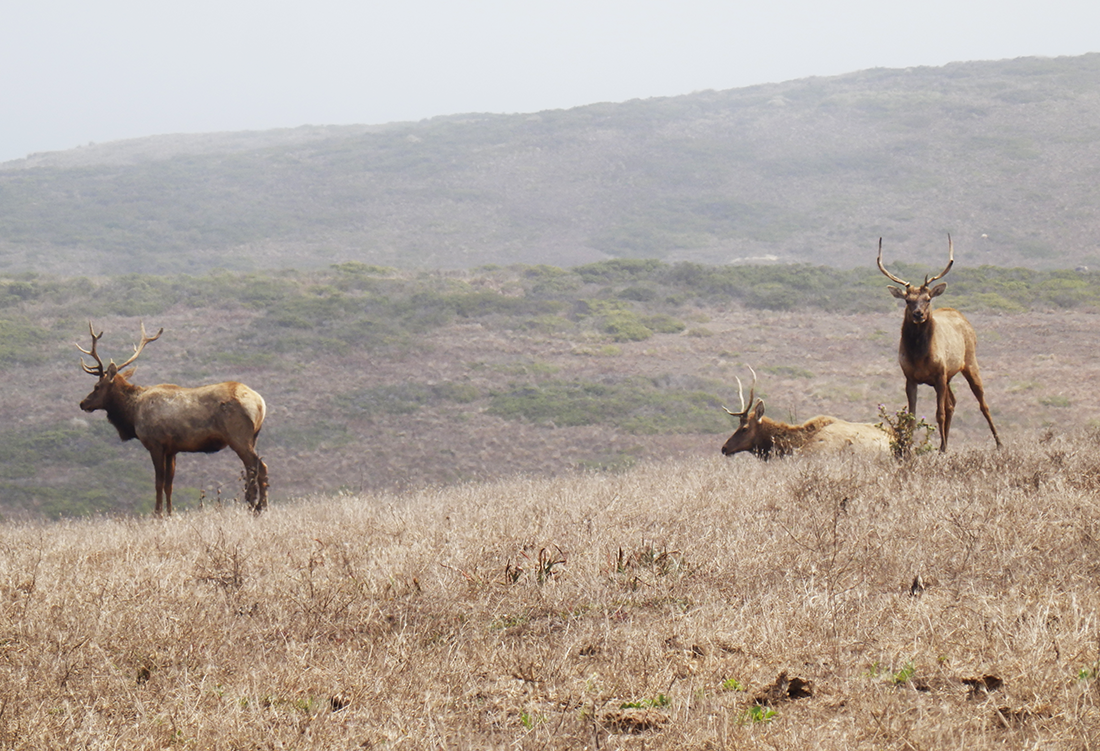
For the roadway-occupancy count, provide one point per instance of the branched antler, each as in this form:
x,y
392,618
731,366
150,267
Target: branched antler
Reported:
x,y
145,339
98,369
927,281
741,395
950,263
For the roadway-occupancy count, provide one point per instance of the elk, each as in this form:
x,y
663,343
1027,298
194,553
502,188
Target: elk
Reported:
x,y
168,419
935,345
822,434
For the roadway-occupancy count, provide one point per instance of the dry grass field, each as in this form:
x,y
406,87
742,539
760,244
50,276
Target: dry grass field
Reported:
x,y
700,603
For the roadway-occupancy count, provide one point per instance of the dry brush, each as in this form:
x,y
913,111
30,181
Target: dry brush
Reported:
x,y
946,602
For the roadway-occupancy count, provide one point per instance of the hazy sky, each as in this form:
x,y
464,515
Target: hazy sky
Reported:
x,y
73,72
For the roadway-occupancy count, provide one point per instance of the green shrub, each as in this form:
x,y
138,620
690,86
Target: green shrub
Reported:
x,y
909,435
21,341
663,324
1065,292
638,294
548,324
772,296
625,327
991,301
13,292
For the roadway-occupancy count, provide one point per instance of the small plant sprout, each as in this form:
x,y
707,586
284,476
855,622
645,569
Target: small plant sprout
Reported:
x,y
548,563
1090,672
904,675
545,566
512,573
661,562
732,684
661,700
530,719
757,714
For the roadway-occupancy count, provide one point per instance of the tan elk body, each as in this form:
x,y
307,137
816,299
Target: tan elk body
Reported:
x,y
169,419
936,345
819,435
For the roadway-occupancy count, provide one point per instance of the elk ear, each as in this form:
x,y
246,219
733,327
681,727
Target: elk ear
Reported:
x,y
937,290
112,371
759,411
897,293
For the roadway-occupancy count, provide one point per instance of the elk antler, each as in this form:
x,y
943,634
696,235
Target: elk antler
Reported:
x,y
882,268
145,339
741,395
927,281
98,370
950,262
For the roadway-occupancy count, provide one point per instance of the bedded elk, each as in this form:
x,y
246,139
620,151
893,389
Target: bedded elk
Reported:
x,y
168,419
822,434
935,345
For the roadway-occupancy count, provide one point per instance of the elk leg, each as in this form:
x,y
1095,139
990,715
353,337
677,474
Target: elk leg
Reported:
x,y
943,422
250,490
975,381
261,484
949,410
911,395
255,473
169,476
159,470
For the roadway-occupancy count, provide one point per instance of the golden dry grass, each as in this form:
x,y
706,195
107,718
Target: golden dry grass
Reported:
x,y
649,609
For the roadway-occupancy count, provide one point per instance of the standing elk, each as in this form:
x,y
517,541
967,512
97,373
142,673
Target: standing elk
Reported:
x,y
168,419
935,345
819,435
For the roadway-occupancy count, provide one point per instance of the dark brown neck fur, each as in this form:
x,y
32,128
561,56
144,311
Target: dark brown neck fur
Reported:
x,y
916,338
122,407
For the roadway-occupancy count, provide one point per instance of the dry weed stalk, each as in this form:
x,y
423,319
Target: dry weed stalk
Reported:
x,y
383,621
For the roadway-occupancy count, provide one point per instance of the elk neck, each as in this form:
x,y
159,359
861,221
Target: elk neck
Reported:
x,y
916,338
121,407
764,441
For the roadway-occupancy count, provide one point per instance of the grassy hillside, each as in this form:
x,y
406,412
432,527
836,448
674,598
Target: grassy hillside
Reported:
x,y
658,608
377,379
1001,154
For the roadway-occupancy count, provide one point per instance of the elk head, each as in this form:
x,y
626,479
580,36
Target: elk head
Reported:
x,y
100,397
918,300
748,436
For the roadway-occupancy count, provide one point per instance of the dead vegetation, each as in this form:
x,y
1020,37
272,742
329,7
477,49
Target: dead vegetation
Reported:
x,y
706,604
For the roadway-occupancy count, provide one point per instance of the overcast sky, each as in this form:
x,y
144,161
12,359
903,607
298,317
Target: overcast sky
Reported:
x,y
73,72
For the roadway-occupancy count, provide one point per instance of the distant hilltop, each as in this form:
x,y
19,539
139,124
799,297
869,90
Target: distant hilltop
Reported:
x,y
1001,154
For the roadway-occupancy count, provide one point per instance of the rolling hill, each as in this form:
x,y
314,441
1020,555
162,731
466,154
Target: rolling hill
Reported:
x,y
1001,154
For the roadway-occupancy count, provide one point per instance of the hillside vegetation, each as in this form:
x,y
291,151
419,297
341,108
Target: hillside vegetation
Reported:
x,y
948,603
1002,154
378,379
